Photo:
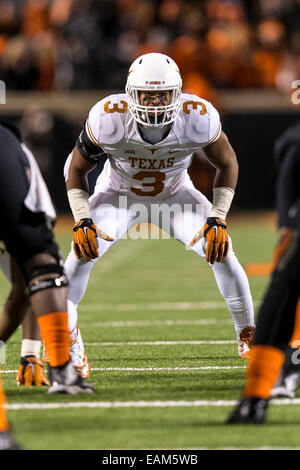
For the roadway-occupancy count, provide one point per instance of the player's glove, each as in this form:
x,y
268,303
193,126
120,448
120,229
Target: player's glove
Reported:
x,y
31,372
84,239
215,233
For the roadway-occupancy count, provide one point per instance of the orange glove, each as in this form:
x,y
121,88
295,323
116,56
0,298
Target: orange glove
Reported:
x,y
84,239
31,372
215,233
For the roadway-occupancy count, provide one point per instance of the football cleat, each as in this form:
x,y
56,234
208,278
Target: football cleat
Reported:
x,y
77,354
245,340
65,379
7,442
31,372
250,410
286,388
289,377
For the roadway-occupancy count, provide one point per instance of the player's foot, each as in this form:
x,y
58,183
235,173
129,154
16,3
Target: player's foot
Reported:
x,y
288,379
31,372
286,386
245,340
7,442
65,379
250,410
78,356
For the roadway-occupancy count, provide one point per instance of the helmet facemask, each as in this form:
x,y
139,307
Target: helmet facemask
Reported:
x,y
153,116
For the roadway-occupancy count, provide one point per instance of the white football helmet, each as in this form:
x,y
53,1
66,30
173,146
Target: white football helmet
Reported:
x,y
151,72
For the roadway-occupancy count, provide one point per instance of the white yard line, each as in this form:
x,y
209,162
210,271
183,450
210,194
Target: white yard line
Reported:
x,y
124,324
138,404
149,369
159,369
205,305
158,343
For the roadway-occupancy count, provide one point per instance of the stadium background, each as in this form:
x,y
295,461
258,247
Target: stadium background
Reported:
x,y
58,58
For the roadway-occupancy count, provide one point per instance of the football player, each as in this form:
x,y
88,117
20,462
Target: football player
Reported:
x,y
278,322
150,134
26,231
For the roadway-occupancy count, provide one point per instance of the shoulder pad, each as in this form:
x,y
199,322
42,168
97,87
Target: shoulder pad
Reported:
x,y
202,120
105,124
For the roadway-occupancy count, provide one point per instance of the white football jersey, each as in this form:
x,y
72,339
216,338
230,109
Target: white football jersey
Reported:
x,y
138,168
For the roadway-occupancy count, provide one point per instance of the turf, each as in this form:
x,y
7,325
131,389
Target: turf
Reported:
x,y
160,289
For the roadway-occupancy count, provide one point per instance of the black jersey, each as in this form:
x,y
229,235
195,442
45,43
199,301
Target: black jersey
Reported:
x,y
25,232
287,160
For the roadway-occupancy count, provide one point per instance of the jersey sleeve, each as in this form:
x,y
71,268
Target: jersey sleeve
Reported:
x,y
105,123
214,126
203,125
92,124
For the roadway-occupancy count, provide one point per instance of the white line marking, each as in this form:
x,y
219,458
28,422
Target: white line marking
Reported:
x,y
158,343
8,371
205,305
149,369
138,404
203,321
158,369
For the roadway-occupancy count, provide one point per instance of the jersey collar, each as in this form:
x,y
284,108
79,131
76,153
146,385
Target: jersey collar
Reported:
x,y
132,130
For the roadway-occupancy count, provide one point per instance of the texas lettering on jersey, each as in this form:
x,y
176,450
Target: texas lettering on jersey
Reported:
x,y
134,166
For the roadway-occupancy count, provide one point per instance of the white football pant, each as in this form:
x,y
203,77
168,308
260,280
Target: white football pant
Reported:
x,y
189,211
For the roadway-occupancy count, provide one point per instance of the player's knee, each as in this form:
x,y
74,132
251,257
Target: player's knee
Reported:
x,y
42,272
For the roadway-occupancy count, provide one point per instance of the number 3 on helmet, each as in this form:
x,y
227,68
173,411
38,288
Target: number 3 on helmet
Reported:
x,y
154,72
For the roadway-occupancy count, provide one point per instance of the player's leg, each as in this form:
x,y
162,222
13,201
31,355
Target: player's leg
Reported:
x,y
14,308
31,369
230,276
276,326
17,310
6,440
3,419
114,217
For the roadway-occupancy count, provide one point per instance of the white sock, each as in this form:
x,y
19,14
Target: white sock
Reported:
x,y
72,316
31,347
241,309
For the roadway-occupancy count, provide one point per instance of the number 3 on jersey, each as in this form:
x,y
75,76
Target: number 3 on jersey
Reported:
x,y
157,184
116,108
188,105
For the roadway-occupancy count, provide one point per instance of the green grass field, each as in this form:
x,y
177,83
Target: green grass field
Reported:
x,y
152,395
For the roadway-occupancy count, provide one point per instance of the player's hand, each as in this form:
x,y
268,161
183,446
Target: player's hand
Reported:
x,y
215,233
31,372
84,239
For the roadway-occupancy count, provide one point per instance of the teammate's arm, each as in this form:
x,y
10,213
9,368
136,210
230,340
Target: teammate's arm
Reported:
x,y
222,156
85,231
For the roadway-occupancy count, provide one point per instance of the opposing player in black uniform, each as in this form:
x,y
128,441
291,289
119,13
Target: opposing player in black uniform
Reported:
x,y
278,323
26,230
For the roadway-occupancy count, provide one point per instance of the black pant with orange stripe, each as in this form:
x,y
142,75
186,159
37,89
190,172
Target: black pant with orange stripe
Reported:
x,y
276,317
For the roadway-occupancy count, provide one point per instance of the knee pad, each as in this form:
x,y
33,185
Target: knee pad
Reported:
x,y
60,280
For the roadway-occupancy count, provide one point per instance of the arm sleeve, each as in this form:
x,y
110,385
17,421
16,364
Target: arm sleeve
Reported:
x,y
88,140
215,127
92,124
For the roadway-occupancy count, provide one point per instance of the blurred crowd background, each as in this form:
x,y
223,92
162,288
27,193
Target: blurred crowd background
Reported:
x,y
247,51
89,44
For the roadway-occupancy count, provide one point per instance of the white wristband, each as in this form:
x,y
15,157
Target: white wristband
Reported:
x,y
222,198
79,203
